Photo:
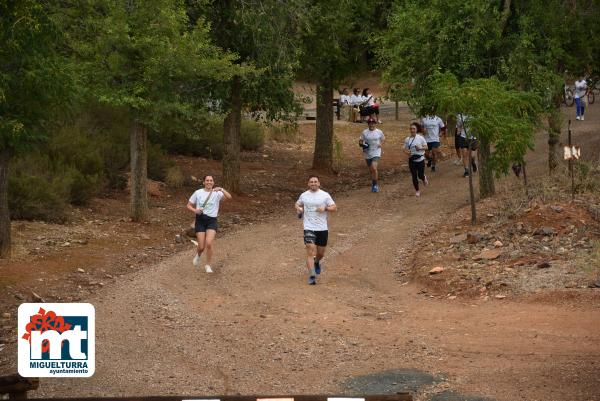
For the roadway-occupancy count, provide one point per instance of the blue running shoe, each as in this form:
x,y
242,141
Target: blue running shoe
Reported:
x,y
317,266
375,188
312,280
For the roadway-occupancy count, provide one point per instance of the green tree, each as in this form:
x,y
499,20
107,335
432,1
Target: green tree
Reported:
x,y
527,43
145,57
461,37
263,34
35,85
332,52
502,117
551,41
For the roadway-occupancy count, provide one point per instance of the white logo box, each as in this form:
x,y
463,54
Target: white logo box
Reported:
x,y
79,364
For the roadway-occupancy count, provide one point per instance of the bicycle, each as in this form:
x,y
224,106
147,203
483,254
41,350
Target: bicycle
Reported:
x,y
568,97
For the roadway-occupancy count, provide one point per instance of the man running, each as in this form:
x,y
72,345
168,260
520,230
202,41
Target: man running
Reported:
x,y
371,141
433,126
467,142
312,206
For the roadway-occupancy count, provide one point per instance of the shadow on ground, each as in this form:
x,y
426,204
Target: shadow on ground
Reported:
x,y
402,380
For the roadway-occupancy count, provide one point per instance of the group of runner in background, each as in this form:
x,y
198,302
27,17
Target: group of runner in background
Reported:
x,y
422,146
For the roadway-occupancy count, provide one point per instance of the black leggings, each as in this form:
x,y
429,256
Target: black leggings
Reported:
x,y
417,169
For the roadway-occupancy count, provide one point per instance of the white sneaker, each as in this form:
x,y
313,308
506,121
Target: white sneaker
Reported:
x,y
426,181
207,269
582,118
196,260
578,118
417,194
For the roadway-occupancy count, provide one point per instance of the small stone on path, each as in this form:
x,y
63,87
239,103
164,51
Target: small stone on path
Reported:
x,y
543,265
489,254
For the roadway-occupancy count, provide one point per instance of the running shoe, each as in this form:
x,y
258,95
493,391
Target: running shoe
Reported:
x,y
317,266
196,260
582,118
312,280
417,194
425,181
466,173
474,165
433,168
375,188
208,269
578,118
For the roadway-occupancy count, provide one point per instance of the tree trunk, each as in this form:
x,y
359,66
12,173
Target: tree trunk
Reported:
x,y
486,174
4,212
554,127
323,156
139,172
525,181
472,190
232,137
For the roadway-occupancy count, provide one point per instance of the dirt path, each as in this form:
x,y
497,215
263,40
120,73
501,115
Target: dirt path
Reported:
x,y
256,327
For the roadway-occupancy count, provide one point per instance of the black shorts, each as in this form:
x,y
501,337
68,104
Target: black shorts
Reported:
x,y
463,143
372,159
204,222
457,139
432,145
319,238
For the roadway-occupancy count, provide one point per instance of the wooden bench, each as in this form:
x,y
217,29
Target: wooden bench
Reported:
x,y
338,107
312,115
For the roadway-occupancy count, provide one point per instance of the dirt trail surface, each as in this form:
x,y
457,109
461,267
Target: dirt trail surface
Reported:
x,y
255,326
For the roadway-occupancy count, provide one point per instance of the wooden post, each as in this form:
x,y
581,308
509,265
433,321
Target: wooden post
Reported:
x,y
525,179
571,164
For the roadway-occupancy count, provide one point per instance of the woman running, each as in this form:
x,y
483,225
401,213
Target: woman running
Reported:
x,y
415,146
205,204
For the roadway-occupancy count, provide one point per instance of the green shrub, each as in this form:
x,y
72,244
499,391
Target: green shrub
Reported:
x,y
158,162
83,187
252,134
200,139
35,198
285,133
174,177
205,138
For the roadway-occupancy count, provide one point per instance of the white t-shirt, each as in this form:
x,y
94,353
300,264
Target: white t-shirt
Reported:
x,y
460,123
373,138
412,143
432,126
370,99
355,99
580,88
313,220
344,99
212,206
